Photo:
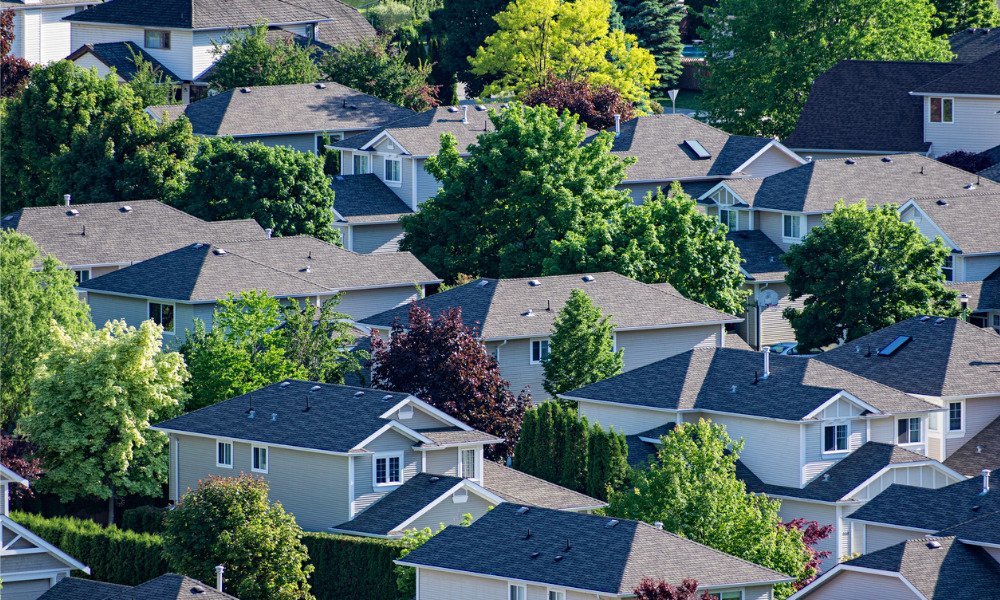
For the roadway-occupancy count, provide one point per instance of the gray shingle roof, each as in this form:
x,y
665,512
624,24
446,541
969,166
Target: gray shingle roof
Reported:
x,y
169,586
761,257
816,186
117,236
119,56
454,435
603,559
702,379
944,359
384,517
961,219
981,451
366,199
74,588
992,173
892,119
952,571
520,488
285,109
278,265
971,44
984,529
641,453
499,306
337,419
979,78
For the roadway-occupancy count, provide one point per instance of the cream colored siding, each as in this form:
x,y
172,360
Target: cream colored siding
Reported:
x,y
639,191
98,271
437,585
650,345
816,460
25,590
172,462
977,268
851,585
774,327
515,366
30,34
926,226
201,51
17,47
770,224
442,462
52,38
427,186
178,58
813,221
365,303
365,491
883,430
770,162
877,537
624,418
979,412
373,239
772,447
305,142
450,512
758,592
105,307
824,514
975,127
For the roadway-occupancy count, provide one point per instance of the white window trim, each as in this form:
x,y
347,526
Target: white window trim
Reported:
x,y
385,171
531,350
736,214
521,586
786,238
89,273
847,437
720,592
267,459
477,462
334,137
165,332
387,456
364,155
947,417
548,593
231,454
942,121
169,40
923,433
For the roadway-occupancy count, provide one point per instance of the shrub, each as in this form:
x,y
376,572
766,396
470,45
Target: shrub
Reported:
x,y
144,519
352,567
388,16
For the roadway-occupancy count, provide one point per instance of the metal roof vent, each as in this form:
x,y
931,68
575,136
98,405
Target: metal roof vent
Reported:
x,y
732,389
588,278
127,208
274,416
481,107
245,90
197,590
387,397
320,86
933,544
196,246
611,523
285,384
979,449
535,554
505,105
886,159
939,320
857,349
453,109
253,414
522,510
9,218
558,557
308,269
74,212
942,203
924,319
315,388
358,394
530,313
219,251
770,259
483,282
352,107
534,283
435,479
699,150
971,186
849,161
826,477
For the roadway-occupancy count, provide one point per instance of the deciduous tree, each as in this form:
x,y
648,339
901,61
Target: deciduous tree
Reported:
x,y
14,71
20,455
444,363
229,521
863,270
581,346
955,15
316,341
246,58
595,105
377,67
967,161
149,84
650,589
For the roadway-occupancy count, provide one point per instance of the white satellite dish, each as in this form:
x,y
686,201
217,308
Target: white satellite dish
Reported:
x,y
767,298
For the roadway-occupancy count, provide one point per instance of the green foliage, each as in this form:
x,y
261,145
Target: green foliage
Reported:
x,y
95,396
29,302
113,555
459,28
406,577
764,56
330,158
248,59
229,521
655,25
280,188
692,489
377,67
607,462
314,340
864,270
581,347
955,15
541,39
388,16
149,84
353,567
144,519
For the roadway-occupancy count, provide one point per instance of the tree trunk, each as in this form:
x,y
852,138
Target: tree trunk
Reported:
x,y
111,510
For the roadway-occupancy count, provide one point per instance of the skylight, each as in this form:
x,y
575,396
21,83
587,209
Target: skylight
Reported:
x,y
698,149
895,345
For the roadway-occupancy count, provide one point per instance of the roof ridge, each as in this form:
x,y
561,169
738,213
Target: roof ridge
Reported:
x,y
256,262
967,521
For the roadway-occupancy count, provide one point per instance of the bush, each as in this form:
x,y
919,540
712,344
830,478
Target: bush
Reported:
x,y
388,16
968,161
352,567
144,519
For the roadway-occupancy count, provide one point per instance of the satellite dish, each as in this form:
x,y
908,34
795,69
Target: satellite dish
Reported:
x,y
767,298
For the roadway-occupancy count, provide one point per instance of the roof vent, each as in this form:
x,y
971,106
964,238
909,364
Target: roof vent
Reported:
x,y
886,159
245,90
483,282
826,477
219,251
435,479
849,161
358,394
588,278
127,208
253,414
979,449
857,349
895,345
74,212
558,557
196,246
933,544
770,259
452,109
320,86
939,320
611,523
285,384
340,178
527,536
9,218
197,590
522,510
699,150
308,269
315,388
658,524
942,203
534,283
387,397
481,107
352,107
975,508
535,554
274,416
732,389
505,105
924,319
530,313
971,186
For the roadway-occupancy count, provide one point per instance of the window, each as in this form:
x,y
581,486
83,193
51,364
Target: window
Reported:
x,y
729,218
909,430
162,315
392,170
724,197
389,469
259,460
361,164
468,463
333,137
557,595
948,268
518,592
224,454
82,275
942,110
158,39
955,416
996,321
737,595
311,31
539,350
835,438
791,227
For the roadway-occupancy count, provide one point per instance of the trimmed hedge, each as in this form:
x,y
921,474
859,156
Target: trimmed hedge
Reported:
x,y
352,567
144,519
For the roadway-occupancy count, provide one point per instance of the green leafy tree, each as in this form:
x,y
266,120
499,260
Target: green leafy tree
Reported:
x,y
955,15
460,27
764,56
406,577
280,188
29,302
149,84
691,487
229,521
863,270
247,59
655,24
95,395
377,67
331,158
526,184
581,347
316,340
539,40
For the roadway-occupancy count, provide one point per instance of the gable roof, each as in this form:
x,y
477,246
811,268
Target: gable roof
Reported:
x,y
276,109
284,266
981,451
815,187
116,235
886,118
761,257
702,379
365,198
969,45
339,419
977,78
992,173
500,307
171,586
36,540
8,475
961,219
520,488
942,359
119,55
74,588
983,295
609,560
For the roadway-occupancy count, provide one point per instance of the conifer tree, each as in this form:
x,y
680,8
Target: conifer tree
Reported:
x,y
524,452
656,25
581,347
546,468
574,453
599,460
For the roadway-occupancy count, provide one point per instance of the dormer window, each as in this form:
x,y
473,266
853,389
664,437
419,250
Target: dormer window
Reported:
x,y
942,110
158,39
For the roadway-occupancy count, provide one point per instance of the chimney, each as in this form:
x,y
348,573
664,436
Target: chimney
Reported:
x,y
67,198
986,482
767,362
268,232
219,569
465,113
618,125
658,524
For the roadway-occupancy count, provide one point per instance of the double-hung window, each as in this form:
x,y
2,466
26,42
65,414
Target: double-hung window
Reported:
x,y
737,595
392,170
467,462
942,110
557,595
82,275
948,268
729,218
835,438
955,416
162,315
258,459
908,430
518,592
158,39
224,454
361,165
791,227
388,469
539,350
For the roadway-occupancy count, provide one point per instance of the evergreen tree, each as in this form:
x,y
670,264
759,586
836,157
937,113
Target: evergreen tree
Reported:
x,y
581,347
574,452
656,25
524,452
599,460
546,468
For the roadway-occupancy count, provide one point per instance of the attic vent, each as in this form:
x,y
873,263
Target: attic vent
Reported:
x,y
611,523
352,107
481,107
826,477
886,159
196,246
483,282
197,590
435,479
530,313
245,90
849,161
74,212
358,394
933,544
534,283
924,319
942,203
315,388
588,278
895,345
307,269
699,150
558,557
285,384
9,218
320,86
535,554
453,109
939,320
127,208
522,510
219,251
387,397
253,414
340,178
274,416
732,390
971,186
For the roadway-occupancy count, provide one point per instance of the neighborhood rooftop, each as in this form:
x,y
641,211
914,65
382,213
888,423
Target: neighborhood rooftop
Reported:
x,y
761,257
981,451
978,78
366,199
169,586
973,43
959,218
120,56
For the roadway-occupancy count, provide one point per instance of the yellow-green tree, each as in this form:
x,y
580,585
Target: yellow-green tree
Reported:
x,y
540,40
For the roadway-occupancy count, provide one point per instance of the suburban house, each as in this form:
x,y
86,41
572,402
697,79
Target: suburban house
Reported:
x,y
352,460
180,35
943,361
169,586
296,116
522,552
764,272
178,287
515,318
821,439
367,213
40,34
121,56
28,564
96,239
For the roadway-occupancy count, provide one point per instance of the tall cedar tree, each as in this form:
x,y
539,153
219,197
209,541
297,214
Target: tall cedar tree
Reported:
x,y
658,589
863,270
230,521
377,67
462,26
444,363
525,452
555,446
574,452
607,462
955,15
764,56
246,58
30,301
14,71
655,24
581,346
22,457
596,105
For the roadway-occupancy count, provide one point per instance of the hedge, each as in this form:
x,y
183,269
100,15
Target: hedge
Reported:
x,y
352,567
144,519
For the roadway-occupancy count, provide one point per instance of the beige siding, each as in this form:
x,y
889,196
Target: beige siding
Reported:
x,y
975,126
877,537
421,419
105,307
450,512
883,430
639,191
305,142
435,585
516,367
979,412
774,327
758,592
365,303
770,224
625,418
442,462
851,585
98,271
201,49
25,590
772,448
816,460
365,491
770,162
824,514
373,239
650,345
42,561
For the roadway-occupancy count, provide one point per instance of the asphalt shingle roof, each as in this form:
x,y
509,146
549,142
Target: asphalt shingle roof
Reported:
x,y
981,451
600,558
499,307
366,199
115,235
972,44
385,516
285,109
992,173
119,56
640,452
882,116
520,488
947,359
979,78
816,186
278,265
454,435
702,379
762,257
961,219
169,586
984,529
74,588
952,571
983,295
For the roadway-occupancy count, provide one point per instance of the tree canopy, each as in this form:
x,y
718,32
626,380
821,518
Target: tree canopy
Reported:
x,y
595,105
581,346
538,40
229,521
14,71
464,25
377,67
655,24
956,15
863,270
149,84
658,589
29,302
246,58
764,56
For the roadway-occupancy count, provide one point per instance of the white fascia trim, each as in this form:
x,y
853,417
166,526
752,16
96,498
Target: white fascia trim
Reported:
x,y
397,426
249,441
768,146
679,411
237,136
150,298
920,463
473,487
339,218
913,203
105,24
411,399
27,534
477,444
978,543
649,440
715,188
334,530
932,399
891,526
546,334
685,179
8,475
950,95
378,138
363,223
121,264
846,396
403,562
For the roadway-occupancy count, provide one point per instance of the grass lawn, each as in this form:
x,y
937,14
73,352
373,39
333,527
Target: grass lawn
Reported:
x,y
685,99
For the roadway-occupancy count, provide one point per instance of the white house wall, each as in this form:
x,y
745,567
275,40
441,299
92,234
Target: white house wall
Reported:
x,y
824,514
365,491
442,462
975,127
852,584
449,512
89,61
924,476
376,239
979,412
365,303
427,186
977,268
178,58
201,50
